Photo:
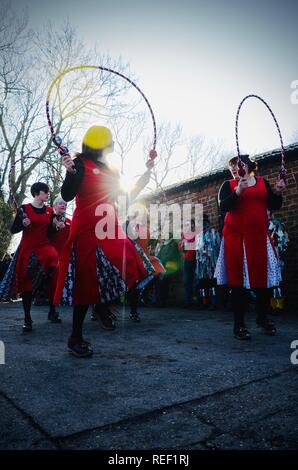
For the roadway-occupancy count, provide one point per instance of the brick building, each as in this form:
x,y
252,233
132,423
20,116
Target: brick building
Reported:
x,y
204,190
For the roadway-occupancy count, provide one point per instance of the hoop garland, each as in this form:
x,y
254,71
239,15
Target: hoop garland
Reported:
x,y
282,171
63,150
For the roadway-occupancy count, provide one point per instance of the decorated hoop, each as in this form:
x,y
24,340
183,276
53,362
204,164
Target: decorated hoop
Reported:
x,y
282,171
63,150
19,209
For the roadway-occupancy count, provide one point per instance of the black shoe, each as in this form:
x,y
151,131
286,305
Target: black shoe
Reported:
x,y
242,333
79,348
53,317
107,319
27,327
135,317
267,326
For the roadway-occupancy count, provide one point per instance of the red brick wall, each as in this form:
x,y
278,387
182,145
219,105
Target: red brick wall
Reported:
x,y
205,191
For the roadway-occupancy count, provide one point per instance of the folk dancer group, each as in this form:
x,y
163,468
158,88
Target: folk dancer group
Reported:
x,y
69,262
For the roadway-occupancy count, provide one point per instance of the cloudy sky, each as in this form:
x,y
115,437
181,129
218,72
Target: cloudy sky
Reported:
x,y
196,60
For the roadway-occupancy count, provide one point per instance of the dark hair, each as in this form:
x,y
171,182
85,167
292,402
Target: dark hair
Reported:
x,y
37,187
88,152
252,166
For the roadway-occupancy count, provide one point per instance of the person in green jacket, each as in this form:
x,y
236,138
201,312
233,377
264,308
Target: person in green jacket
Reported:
x,y
168,253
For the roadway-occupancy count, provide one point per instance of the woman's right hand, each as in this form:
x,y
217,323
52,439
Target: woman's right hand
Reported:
x,y
68,163
242,185
26,222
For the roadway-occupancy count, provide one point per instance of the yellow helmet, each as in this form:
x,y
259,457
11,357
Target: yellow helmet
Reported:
x,y
98,137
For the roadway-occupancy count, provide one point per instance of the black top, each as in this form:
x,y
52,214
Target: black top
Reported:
x,y
18,226
227,198
72,181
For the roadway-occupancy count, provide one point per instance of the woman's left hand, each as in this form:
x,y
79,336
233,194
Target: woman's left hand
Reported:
x,y
280,186
150,162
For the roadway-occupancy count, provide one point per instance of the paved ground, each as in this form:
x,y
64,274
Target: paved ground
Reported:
x,y
178,380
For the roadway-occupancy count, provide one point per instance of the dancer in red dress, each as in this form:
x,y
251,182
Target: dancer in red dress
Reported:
x,y
32,268
247,259
96,266
136,228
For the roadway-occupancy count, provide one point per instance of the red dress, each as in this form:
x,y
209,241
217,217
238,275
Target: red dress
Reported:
x,y
245,233
143,242
59,237
35,257
93,270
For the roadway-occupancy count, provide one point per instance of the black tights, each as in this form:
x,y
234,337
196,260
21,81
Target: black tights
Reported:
x,y
79,313
27,302
239,302
27,298
133,299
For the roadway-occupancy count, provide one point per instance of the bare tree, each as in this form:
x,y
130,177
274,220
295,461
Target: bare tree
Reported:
x,y
24,80
126,132
13,31
83,95
204,156
169,139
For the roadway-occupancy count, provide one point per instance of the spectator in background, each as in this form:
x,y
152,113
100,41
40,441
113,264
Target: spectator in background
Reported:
x,y
4,263
168,253
280,240
207,250
187,246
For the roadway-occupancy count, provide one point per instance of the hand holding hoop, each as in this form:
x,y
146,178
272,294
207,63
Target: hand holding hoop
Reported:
x,y
68,163
26,221
280,185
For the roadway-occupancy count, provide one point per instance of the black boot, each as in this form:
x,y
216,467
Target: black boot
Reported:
x,y
239,306
263,297
27,327
53,315
134,316
267,326
241,332
79,347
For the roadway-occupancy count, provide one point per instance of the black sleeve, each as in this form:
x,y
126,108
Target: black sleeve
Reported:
x,y
51,228
274,200
17,225
226,197
72,182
